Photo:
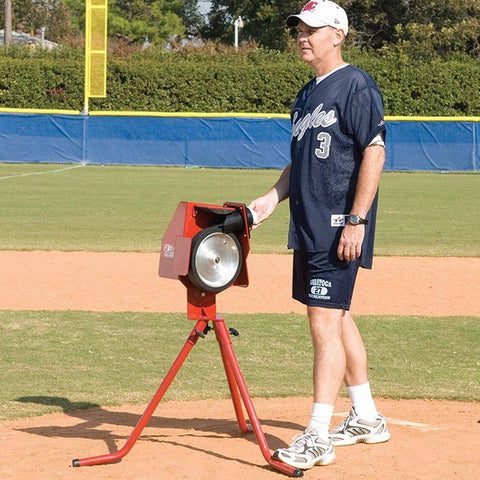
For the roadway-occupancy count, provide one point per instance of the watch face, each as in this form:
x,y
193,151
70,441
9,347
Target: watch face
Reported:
x,y
354,219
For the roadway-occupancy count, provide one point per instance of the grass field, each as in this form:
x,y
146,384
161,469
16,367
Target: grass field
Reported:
x,y
128,208
54,361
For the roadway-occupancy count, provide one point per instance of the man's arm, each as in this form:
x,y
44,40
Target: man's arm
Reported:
x,y
265,205
350,245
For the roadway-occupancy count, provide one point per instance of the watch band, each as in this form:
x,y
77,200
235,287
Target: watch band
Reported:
x,y
354,219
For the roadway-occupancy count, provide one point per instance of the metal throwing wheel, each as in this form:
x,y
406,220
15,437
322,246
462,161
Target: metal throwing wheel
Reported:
x,y
216,259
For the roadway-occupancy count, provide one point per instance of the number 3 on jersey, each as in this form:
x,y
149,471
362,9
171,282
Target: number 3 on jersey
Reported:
x,y
324,148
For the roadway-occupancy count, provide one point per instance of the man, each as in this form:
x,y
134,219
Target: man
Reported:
x,y
337,156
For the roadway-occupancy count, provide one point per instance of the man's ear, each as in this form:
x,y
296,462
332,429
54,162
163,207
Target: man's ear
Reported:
x,y
339,37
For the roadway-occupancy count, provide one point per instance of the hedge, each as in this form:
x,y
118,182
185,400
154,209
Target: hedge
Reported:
x,y
259,81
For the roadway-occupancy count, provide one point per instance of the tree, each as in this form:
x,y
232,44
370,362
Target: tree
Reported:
x,y
191,17
436,26
264,20
35,14
76,9
134,20
420,28
440,26
373,22
7,29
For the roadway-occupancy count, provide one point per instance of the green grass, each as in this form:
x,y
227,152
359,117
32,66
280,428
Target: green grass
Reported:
x,y
429,214
54,361
117,208
128,208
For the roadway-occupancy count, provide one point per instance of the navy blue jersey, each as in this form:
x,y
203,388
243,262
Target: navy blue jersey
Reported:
x,y
332,123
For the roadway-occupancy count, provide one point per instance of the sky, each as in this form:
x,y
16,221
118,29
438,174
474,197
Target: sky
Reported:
x,y
204,5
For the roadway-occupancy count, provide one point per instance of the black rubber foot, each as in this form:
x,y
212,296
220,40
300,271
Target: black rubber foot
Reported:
x,y
298,473
76,463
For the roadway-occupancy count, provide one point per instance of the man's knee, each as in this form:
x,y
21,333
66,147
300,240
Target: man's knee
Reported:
x,y
325,322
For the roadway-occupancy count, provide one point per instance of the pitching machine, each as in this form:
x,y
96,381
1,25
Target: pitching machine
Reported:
x,y
206,247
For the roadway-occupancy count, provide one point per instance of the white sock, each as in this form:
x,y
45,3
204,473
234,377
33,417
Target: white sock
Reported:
x,y
320,419
362,401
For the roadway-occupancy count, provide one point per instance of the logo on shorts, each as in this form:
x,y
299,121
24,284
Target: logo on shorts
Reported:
x,y
319,289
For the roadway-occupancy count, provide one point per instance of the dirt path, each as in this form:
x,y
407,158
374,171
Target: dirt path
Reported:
x,y
431,440
129,282
201,441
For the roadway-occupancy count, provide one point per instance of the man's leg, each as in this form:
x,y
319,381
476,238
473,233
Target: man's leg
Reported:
x,y
328,364
314,446
356,372
320,283
329,359
364,423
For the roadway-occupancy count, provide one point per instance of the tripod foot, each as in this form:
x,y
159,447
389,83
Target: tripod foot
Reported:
x,y
285,468
76,462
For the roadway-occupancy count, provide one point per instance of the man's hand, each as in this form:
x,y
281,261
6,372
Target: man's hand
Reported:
x,y
263,207
350,245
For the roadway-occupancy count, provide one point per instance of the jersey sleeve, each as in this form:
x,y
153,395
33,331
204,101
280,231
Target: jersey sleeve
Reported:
x,y
366,116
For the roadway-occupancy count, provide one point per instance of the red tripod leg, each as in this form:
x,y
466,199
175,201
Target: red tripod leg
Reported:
x,y
237,405
144,419
230,357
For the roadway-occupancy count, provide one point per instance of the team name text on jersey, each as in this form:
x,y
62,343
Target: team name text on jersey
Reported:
x,y
318,118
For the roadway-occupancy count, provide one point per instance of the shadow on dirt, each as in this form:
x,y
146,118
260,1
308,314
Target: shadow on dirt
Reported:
x,y
96,422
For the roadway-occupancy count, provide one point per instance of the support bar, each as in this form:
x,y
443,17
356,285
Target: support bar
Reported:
x,y
229,355
144,419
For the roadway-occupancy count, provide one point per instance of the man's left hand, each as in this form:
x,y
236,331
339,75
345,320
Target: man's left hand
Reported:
x,y
350,245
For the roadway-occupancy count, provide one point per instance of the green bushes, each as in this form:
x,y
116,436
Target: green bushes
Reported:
x,y
41,79
258,81
190,86
439,87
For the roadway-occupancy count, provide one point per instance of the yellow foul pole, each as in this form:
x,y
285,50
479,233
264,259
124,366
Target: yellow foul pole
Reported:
x,y
96,15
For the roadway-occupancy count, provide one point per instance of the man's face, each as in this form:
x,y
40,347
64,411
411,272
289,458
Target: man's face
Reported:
x,y
316,44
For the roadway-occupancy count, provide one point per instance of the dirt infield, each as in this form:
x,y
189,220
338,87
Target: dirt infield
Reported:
x,y
200,440
129,282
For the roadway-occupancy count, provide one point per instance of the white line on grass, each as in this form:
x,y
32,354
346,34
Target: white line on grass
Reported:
x,y
424,427
45,172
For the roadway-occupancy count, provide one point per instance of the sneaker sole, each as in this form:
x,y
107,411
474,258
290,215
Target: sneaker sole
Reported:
x,y
326,460
370,439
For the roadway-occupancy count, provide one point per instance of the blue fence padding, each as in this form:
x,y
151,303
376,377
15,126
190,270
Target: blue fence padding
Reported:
x,y
433,146
204,142
41,138
234,142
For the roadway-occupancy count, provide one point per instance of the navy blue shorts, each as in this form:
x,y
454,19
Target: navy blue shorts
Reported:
x,y
320,279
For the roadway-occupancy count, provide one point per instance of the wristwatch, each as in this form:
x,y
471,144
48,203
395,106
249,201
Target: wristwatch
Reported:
x,y
356,220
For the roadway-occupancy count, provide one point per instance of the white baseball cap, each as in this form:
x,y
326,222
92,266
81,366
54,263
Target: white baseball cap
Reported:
x,y
321,13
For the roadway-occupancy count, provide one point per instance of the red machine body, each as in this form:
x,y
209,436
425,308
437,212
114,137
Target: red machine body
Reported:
x,y
188,220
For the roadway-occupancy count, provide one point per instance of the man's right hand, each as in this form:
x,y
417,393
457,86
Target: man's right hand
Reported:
x,y
264,207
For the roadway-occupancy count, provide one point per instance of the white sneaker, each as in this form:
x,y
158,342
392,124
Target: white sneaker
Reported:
x,y
355,430
306,450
